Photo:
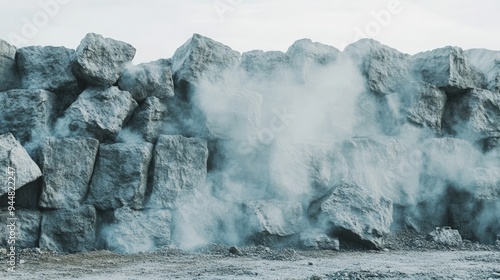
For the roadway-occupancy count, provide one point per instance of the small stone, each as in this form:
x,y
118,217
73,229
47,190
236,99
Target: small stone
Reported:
x,y
234,250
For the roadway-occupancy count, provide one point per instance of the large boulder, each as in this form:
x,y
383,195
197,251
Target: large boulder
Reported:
x,y
97,113
356,213
19,168
447,68
266,67
386,69
314,239
69,230
27,114
427,107
179,166
9,78
274,217
202,58
148,79
304,52
488,62
67,165
25,226
128,231
473,116
100,61
446,236
46,68
115,185
150,119
308,59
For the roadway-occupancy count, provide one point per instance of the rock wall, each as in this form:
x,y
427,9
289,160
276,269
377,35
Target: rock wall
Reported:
x,y
309,148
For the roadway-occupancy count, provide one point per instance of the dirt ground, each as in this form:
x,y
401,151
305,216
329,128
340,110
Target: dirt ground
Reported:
x,y
415,259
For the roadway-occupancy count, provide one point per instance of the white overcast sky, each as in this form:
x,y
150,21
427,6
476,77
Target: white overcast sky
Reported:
x,y
156,28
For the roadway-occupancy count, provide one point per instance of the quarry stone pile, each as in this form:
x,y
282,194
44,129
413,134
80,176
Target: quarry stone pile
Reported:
x,y
313,148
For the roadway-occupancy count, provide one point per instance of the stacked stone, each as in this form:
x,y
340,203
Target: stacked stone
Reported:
x,y
106,153
99,189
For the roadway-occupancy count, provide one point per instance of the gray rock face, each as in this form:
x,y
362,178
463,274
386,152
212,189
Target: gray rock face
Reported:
x,y
179,166
148,79
352,209
305,51
447,68
202,58
150,119
428,107
65,184
97,113
385,68
9,78
315,239
69,230
100,61
13,155
46,68
274,217
120,176
266,66
27,228
488,62
446,236
27,114
130,231
474,115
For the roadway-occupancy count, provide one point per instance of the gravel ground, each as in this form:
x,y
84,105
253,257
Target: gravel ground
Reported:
x,y
407,258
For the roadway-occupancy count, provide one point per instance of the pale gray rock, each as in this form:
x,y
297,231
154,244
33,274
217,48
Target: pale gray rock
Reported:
x,y
427,107
447,68
27,228
120,176
27,114
199,65
9,78
67,165
69,230
147,80
46,68
314,239
151,118
97,113
488,62
355,210
179,166
129,231
473,116
446,236
202,58
303,52
13,154
100,61
274,217
386,69
266,66
308,58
